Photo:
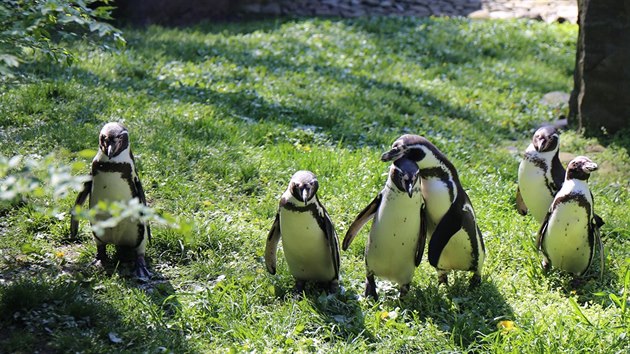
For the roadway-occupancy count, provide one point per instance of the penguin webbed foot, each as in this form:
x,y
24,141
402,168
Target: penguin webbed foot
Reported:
x,y
370,288
101,256
332,287
404,290
474,282
141,271
298,290
443,279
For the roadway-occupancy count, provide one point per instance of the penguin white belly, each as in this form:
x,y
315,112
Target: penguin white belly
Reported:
x,y
531,182
393,238
566,241
457,254
438,201
305,247
110,187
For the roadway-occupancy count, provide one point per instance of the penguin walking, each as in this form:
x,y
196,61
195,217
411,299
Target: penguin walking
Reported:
x,y
455,241
397,237
308,237
114,179
569,231
540,173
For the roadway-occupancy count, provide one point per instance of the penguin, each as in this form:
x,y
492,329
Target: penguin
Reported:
x,y
540,173
398,234
569,231
114,179
455,241
309,240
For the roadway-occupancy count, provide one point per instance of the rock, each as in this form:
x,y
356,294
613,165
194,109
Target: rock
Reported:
x,y
555,98
480,14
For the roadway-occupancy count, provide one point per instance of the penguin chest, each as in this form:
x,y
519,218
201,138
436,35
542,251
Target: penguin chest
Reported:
x,y
438,197
533,182
566,241
305,246
112,187
393,240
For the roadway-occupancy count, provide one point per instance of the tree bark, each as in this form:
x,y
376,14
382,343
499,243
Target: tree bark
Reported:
x,y
600,100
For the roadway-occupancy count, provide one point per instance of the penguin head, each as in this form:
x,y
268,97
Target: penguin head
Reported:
x,y
546,138
404,173
409,146
580,168
113,140
303,186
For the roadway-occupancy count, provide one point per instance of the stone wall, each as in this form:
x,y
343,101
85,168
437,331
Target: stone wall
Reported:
x,y
547,10
186,12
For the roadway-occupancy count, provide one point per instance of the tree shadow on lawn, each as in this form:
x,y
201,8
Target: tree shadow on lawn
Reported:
x,y
331,114
469,315
390,111
41,313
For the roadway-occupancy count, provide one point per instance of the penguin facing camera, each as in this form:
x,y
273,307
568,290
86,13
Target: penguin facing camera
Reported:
x,y
309,240
114,179
398,233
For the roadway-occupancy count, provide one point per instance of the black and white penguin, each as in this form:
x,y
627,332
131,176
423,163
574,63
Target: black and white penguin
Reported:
x,y
114,179
309,240
569,231
455,241
396,241
540,173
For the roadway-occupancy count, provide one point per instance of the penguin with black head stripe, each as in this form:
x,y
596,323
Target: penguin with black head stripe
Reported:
x,y
570,230
455,241
114,179
309,240
398,234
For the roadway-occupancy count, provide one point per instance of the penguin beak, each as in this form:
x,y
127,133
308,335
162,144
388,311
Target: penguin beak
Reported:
x,y
410,189
590,167
110,150
305,193
539,143
393,154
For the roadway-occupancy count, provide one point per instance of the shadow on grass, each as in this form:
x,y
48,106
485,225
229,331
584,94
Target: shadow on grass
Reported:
x,y
43,315
339,311
469,315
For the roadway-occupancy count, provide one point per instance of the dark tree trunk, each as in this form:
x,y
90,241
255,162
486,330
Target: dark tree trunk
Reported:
x,y
600,100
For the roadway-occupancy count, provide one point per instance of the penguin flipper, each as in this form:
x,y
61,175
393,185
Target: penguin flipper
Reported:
x,y
364,216
272,245
595,232
422,236
333,242
543,230
520,203
557,173
83,195
447,227
143,199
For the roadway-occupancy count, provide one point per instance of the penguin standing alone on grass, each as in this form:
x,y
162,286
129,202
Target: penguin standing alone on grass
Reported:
x,y
455,241
309,240
397,237
114,179
569,231
540,173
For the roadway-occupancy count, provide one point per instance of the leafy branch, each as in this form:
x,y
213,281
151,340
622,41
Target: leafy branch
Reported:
x,y
28,27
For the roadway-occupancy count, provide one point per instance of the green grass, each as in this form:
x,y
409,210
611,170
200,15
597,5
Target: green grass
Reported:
x,y
221,116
